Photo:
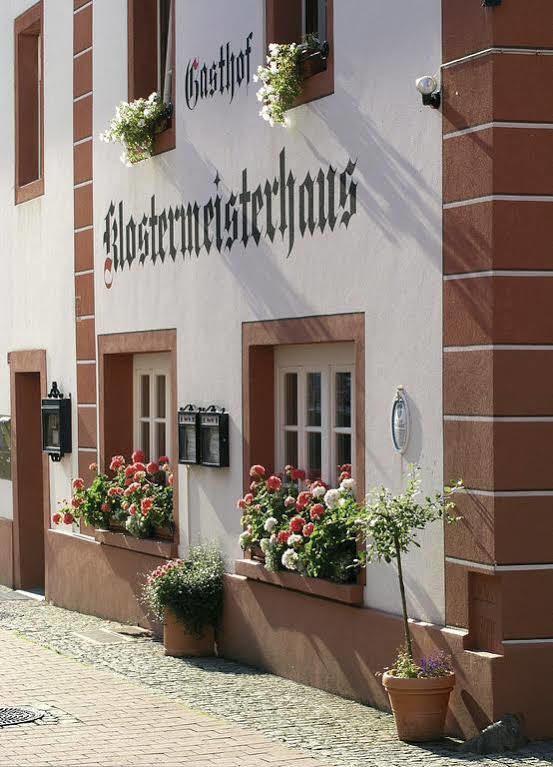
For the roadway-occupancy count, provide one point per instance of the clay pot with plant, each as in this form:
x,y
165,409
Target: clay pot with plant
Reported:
x,y
187,595
419,691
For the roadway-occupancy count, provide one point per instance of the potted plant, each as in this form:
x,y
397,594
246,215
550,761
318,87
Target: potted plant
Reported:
x,y
138,496
418,692
288,65
187,595
135,125
314,531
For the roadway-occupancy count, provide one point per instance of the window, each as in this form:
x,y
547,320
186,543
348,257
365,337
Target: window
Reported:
x,y
152,404
291,21
315,408
29,106
151,53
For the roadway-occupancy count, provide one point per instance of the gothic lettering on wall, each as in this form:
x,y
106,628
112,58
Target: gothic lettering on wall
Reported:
x,y
224,75
277,207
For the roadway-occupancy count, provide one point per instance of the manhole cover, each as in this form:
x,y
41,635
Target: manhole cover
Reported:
x,y
18,716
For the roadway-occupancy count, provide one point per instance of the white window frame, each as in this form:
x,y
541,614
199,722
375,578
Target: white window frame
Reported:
x,y
328,359
151,365
165,88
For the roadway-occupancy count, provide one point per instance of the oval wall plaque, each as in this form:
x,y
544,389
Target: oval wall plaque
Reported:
x,y
400,421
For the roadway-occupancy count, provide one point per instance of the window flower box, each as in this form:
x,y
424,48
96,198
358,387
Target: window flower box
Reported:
x,y
313,59
347,593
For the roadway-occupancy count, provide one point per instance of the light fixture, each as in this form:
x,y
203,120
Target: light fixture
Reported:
x,y
56,424
427,86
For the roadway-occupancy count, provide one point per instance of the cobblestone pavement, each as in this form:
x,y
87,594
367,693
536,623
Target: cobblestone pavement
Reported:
x,y
300,721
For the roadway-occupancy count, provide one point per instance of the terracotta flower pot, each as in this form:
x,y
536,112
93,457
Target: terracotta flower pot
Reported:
x,y
179,643
419,705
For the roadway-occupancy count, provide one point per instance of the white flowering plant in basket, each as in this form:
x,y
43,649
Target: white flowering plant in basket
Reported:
x,y
135,125
281,82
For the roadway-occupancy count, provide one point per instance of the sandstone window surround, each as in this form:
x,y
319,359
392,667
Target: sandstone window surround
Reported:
x,y
151,58
29,104
291,21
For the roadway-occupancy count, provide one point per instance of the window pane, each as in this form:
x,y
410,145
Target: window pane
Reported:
x,y
291,399
160,397
160,440
144,396
164,21
145,439
315,19
343,448
313,455
313,399
343,400
291,448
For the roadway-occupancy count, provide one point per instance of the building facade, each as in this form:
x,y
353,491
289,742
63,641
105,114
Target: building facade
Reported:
x,y
372,243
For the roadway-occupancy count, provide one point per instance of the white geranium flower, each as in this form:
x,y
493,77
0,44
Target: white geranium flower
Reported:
x,y
348,485
264,545
260,94
152,96
270,524
290,559
295,540
273,540
274,47
273,66
318,492
255,78
245,539
332,498
342,502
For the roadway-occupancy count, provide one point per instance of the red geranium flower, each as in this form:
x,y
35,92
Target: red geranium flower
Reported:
x,y
344,475
308,529
297,474
303,499
257,470
152,467
129,471
163,459
274,483
133,487
105,507
170,479
317,511
56,518
116,462
146,505
283,536
138,455
132,509
296,524
139,466
248,498
254,486
76,502
78,483
93,467
67,518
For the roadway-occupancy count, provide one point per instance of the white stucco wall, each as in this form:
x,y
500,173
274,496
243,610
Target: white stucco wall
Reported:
x,y
386,264
36,237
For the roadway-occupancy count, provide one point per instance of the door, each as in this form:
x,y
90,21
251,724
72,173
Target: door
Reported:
x,y
29,513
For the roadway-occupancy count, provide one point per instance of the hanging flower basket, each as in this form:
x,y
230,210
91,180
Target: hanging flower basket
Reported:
x,y
136,125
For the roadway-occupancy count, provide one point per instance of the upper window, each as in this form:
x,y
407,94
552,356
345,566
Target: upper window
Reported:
x,y
152,403
29,108
151,57
292,21
315,419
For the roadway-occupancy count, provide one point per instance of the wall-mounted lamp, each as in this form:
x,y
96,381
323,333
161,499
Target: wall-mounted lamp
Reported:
x,y
427,86
56,424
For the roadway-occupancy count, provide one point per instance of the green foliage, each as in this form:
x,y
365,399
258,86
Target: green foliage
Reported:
x,y
398,518
432,666
281,82
191,588
135,125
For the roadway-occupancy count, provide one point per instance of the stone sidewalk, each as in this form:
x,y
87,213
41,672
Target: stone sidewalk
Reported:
x,y
115,699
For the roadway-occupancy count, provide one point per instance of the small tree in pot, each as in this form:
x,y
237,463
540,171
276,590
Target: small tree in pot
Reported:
x,y
418,692
187,595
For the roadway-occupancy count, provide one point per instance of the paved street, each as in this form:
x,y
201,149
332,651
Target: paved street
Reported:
x,y
115,699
